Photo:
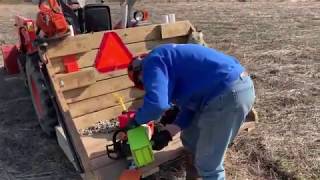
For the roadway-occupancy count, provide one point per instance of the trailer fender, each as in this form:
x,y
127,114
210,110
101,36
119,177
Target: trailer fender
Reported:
x,y
10,55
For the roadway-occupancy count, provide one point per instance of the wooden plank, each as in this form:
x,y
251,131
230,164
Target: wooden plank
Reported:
x,y
83,58
87,59
109,75
141,47
74,80
105,114
101,164
172,151
98,88
180,29
97,76
74,135
87,42
104,101
104,166
96,146
57,65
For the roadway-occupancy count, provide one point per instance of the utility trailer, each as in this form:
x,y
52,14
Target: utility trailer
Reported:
x,y
86,96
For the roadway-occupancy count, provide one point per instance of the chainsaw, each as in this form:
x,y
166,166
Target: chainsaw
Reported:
x,y
131,144
120,147
50,19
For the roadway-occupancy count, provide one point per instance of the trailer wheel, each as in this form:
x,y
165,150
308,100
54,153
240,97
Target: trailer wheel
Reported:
x,y
41,100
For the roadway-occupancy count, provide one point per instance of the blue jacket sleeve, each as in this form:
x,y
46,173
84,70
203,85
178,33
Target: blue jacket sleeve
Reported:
x,y
155,81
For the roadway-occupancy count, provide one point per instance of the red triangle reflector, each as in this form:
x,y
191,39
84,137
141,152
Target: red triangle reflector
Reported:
x,y
113,54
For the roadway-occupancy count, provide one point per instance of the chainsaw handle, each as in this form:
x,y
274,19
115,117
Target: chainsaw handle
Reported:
x,y
111,153
115,152
114,137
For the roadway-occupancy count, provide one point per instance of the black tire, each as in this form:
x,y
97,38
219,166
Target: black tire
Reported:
x,y
41,100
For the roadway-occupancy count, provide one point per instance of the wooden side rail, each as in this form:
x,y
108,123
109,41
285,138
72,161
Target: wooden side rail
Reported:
x,y
87,42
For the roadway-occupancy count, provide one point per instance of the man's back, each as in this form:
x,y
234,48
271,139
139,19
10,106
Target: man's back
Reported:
x,y
193,70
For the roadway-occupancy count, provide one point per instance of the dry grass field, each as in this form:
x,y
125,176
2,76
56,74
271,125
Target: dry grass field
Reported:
x,y
277,41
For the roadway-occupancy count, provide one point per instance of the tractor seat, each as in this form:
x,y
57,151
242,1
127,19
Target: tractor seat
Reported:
x,y
97,17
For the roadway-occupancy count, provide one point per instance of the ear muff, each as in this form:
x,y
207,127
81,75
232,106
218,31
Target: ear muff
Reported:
x,y
135,72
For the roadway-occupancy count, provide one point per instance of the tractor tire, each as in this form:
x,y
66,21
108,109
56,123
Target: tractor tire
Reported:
x,y
40,96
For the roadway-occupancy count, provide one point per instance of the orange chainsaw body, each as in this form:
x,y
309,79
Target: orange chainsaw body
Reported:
x,y
50,18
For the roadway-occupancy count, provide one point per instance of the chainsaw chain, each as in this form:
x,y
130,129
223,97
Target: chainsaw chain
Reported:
x,y
106,127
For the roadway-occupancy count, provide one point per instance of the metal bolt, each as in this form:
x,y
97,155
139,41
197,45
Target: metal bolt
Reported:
x,y
61,83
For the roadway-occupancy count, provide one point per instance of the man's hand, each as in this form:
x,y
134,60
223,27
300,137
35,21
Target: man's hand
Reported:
x,y
131,124
172,128
161,139
170,115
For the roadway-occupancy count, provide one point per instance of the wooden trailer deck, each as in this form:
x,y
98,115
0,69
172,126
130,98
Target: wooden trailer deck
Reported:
x,y
86,97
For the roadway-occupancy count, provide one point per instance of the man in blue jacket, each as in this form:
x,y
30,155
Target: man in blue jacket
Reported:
x,y
212,91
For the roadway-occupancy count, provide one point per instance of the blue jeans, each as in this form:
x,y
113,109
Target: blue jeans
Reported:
x,y
216,125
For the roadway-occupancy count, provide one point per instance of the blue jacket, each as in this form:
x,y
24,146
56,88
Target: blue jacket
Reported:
x,y
188,75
